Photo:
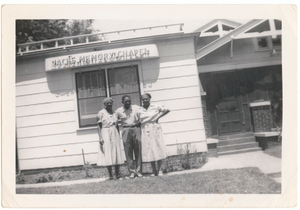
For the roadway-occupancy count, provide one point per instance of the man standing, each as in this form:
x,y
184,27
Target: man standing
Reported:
x,y
131,135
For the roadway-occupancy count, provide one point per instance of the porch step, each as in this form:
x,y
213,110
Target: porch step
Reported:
x,y
236,136
247,139
237,146
231,152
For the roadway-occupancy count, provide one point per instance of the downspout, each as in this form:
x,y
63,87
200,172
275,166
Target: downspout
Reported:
x,y
18,171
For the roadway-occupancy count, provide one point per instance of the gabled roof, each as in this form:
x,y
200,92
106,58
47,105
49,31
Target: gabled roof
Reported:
x,y
253,28
217,27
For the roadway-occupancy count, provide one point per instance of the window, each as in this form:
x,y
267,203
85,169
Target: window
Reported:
x,y
93,86
267,43
277,42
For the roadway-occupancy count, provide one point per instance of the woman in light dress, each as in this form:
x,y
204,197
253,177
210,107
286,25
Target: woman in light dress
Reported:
x,y
153,144
111,149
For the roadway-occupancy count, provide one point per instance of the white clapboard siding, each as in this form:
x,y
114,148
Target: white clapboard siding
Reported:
x,y
75,137
184,137
181,126
163,73
178,115
49,97
42,77
46,130
63,85
197,146
178,82
30,67
172,58
179,104
45,119
62,150
45,108
175,93
155,63
175,47
74,160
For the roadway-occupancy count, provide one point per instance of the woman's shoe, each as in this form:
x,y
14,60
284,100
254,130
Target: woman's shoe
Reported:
x,y
160,173
139,175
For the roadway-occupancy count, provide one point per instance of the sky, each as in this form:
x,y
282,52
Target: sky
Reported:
x,y
189,24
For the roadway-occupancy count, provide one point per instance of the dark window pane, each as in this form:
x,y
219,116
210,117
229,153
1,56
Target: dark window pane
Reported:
x,y
277,42
262,42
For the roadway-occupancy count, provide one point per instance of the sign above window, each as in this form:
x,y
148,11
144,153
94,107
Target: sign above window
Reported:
x,y
101,57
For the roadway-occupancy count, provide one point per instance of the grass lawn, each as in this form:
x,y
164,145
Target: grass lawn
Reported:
x,y
274,151
226,181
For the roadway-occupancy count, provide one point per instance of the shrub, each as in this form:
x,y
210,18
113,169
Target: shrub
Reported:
x,y
20,179
87,168
41,178
186,158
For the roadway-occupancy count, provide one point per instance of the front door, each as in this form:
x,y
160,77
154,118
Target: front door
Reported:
x,y
230,119
227,104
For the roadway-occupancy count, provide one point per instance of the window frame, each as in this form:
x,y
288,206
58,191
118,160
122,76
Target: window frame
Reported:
x,y
269,41
105,67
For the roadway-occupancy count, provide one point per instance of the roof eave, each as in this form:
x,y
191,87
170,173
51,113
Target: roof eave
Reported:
x,y
226,38
107,44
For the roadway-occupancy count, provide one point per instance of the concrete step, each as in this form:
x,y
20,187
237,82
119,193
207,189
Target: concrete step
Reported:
x,y
236,136
237,146
231,152
236,141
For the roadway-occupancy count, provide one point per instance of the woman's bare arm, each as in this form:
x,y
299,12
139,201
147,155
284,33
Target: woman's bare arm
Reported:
x,y
165,112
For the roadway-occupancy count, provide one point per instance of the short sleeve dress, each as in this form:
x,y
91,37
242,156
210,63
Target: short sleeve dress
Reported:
x,y
113,149
153,144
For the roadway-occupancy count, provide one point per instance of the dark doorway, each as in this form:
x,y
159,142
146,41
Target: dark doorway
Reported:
x,y
229,93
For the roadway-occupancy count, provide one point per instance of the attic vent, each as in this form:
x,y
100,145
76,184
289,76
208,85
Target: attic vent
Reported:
x,y
277,24
265,26
227,28
213,29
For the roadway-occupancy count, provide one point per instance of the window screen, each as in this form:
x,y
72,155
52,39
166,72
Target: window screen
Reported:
x,y
124,81
90,94
91,90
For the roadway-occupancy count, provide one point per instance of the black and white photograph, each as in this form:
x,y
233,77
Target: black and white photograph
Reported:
x,y
172,106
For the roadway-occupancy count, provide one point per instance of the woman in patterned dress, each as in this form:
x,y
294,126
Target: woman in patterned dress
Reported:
x,y
153,144
111,149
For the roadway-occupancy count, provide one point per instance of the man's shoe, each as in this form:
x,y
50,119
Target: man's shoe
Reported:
x,y
131,175
160,173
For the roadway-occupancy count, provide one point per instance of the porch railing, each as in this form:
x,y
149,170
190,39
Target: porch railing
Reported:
x,y
64,42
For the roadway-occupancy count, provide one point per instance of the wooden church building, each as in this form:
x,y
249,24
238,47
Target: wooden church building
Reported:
x,y
222,83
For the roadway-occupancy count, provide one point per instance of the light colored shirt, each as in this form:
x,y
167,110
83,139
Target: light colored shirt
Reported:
x,y
128,117
151,114
107,119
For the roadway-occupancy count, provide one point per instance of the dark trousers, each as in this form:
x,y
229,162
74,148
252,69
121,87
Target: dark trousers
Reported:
x,y
132,143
